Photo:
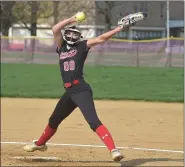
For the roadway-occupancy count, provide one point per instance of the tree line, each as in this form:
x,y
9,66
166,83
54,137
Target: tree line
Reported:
x,y
31,13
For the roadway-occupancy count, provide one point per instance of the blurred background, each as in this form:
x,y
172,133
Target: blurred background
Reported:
x,y
26,34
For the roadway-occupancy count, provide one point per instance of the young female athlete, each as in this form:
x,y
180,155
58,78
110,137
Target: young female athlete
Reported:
x,y
72,53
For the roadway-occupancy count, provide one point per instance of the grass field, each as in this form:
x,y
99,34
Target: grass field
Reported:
x,y
43,81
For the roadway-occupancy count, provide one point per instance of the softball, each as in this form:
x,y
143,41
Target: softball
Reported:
x,y
80,16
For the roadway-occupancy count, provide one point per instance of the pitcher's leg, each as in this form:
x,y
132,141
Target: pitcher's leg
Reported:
x,y
84,101
64,108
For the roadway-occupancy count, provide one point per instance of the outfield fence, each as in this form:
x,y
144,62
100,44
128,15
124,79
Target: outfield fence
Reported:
x,y
151,53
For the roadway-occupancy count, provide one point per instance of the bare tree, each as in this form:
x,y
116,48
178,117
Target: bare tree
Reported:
x,y
34,10
104,9
7,18
65,9
55,11
29,13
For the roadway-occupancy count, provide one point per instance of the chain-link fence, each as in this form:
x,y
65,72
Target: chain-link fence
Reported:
x,y
113,52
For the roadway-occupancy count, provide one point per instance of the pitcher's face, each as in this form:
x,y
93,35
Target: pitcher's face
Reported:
x,y
72,36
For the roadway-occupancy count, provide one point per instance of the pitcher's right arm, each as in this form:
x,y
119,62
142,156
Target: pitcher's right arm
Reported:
x,y
56,29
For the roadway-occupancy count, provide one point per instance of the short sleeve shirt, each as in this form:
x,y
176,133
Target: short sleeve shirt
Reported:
x,y
71,60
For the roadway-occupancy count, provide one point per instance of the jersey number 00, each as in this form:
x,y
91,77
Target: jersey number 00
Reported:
x,y
69,65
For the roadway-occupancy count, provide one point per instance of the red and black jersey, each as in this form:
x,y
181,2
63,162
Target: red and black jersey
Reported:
x,y
72,60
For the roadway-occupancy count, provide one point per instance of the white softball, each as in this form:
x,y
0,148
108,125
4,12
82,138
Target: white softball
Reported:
x,y
80,16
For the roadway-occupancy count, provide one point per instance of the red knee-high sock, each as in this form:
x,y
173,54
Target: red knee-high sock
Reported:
x,y
47,134
106,137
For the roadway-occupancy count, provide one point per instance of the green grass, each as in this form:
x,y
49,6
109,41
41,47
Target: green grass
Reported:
x,y
131,83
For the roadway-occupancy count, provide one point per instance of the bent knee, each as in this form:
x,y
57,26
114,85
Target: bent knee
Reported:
x,y
95,125
54,123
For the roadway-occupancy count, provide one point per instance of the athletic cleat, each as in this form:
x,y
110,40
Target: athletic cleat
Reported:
x,y
116,155
33,147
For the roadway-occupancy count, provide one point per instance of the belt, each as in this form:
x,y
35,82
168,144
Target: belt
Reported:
x,y
69,84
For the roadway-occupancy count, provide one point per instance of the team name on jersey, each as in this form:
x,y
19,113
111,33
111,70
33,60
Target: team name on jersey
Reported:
x,y
65,55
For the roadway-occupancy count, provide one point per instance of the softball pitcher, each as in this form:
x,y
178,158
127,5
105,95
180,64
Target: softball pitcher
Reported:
x,y
72,52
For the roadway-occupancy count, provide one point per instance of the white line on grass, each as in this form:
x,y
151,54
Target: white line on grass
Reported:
x,y
98,146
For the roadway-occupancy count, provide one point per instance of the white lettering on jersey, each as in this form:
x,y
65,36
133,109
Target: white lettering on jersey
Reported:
x,y
65,55
69,65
